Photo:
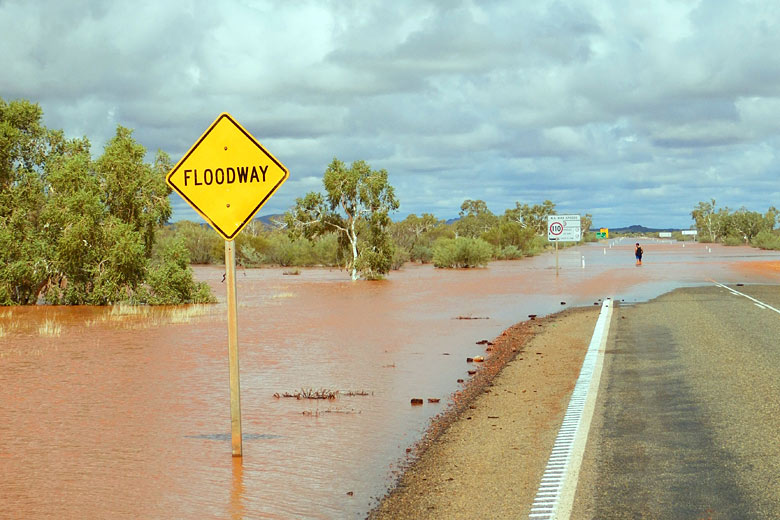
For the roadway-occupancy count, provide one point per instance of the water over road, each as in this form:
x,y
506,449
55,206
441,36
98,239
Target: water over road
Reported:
x,y
120,414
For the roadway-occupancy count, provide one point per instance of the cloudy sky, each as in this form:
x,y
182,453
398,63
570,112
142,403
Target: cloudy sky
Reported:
x,y
633,111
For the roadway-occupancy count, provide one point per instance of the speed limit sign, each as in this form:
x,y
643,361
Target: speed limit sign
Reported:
x,y
563,228
556,228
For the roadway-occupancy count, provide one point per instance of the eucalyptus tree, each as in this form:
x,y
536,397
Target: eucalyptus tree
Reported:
x,y
711,222
75,230
356,204
475,219
25,148
533,217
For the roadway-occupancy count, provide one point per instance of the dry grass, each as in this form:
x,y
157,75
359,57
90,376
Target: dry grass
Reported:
x,y
317,413
125,309
146,316
310,393
186,313
322,393
50,328
352,393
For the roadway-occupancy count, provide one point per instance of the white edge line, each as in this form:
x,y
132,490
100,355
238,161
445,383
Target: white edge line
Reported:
x,y
562,506
734,291
570,484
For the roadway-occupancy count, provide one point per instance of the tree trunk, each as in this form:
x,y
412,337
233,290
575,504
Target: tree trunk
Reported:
x,y
353,242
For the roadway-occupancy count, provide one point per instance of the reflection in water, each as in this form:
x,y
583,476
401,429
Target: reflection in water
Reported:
x,y
125,412
237,510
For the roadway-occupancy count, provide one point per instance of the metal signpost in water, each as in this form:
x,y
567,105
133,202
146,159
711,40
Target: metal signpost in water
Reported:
x,y
563,228
226,177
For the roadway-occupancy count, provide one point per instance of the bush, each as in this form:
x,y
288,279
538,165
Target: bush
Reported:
x,y
285,251
509,253
203,243
326,250
169,280
732,240
251,248
766,240
461,252
536,246
421,253
400,257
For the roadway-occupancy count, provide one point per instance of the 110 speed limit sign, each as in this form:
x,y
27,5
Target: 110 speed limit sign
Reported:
x,y
563,228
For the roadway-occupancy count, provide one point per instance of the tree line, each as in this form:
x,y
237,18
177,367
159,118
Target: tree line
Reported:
x,y
81,230
736,227
348,226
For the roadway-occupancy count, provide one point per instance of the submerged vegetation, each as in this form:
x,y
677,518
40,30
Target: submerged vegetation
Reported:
x,y
50,328
322,393
299,239
78,230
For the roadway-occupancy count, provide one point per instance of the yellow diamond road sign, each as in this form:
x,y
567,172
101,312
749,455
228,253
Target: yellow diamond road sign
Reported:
x,y
227,176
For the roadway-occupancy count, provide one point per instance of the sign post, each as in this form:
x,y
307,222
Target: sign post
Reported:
x,y
227,176
566,228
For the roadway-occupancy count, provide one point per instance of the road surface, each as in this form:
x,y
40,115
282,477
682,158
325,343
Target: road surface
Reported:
x,y
687,423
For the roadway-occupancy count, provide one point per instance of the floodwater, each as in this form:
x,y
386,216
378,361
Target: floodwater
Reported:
x,y
124,413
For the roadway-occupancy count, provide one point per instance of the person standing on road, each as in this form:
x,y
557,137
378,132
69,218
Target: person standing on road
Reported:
x,y
638,253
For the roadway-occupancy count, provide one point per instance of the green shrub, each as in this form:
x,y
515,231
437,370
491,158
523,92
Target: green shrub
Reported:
x,y
461,252
285,251
536,246
766,240
169,279
510,253
251,248
400,257
205,246
421,253
733,240
326,250
248,256
445,253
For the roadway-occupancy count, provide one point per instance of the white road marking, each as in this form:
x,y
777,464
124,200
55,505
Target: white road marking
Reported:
x,y
555,495
757,302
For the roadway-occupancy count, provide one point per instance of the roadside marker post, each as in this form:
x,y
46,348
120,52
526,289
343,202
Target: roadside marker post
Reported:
x,y
227,176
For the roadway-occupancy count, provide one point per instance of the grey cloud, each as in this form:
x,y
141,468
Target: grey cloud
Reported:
x,y
624,110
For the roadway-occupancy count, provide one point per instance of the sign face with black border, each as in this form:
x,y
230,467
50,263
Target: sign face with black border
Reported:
x,y
563,228
227,176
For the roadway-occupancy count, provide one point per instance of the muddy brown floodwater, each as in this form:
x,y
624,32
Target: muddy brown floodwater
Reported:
x,y
124,412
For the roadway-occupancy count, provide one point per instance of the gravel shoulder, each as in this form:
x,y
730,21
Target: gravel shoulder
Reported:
x,y
485,456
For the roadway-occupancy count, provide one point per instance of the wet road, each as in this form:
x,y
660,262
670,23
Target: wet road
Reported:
x,y
688,419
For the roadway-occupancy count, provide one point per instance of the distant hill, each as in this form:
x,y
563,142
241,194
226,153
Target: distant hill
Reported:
x,y
266,219
636,228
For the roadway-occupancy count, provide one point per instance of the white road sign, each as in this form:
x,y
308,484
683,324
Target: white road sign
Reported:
x,y
564,228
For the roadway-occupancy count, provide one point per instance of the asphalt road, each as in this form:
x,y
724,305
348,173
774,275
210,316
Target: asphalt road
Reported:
x,y
687,423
